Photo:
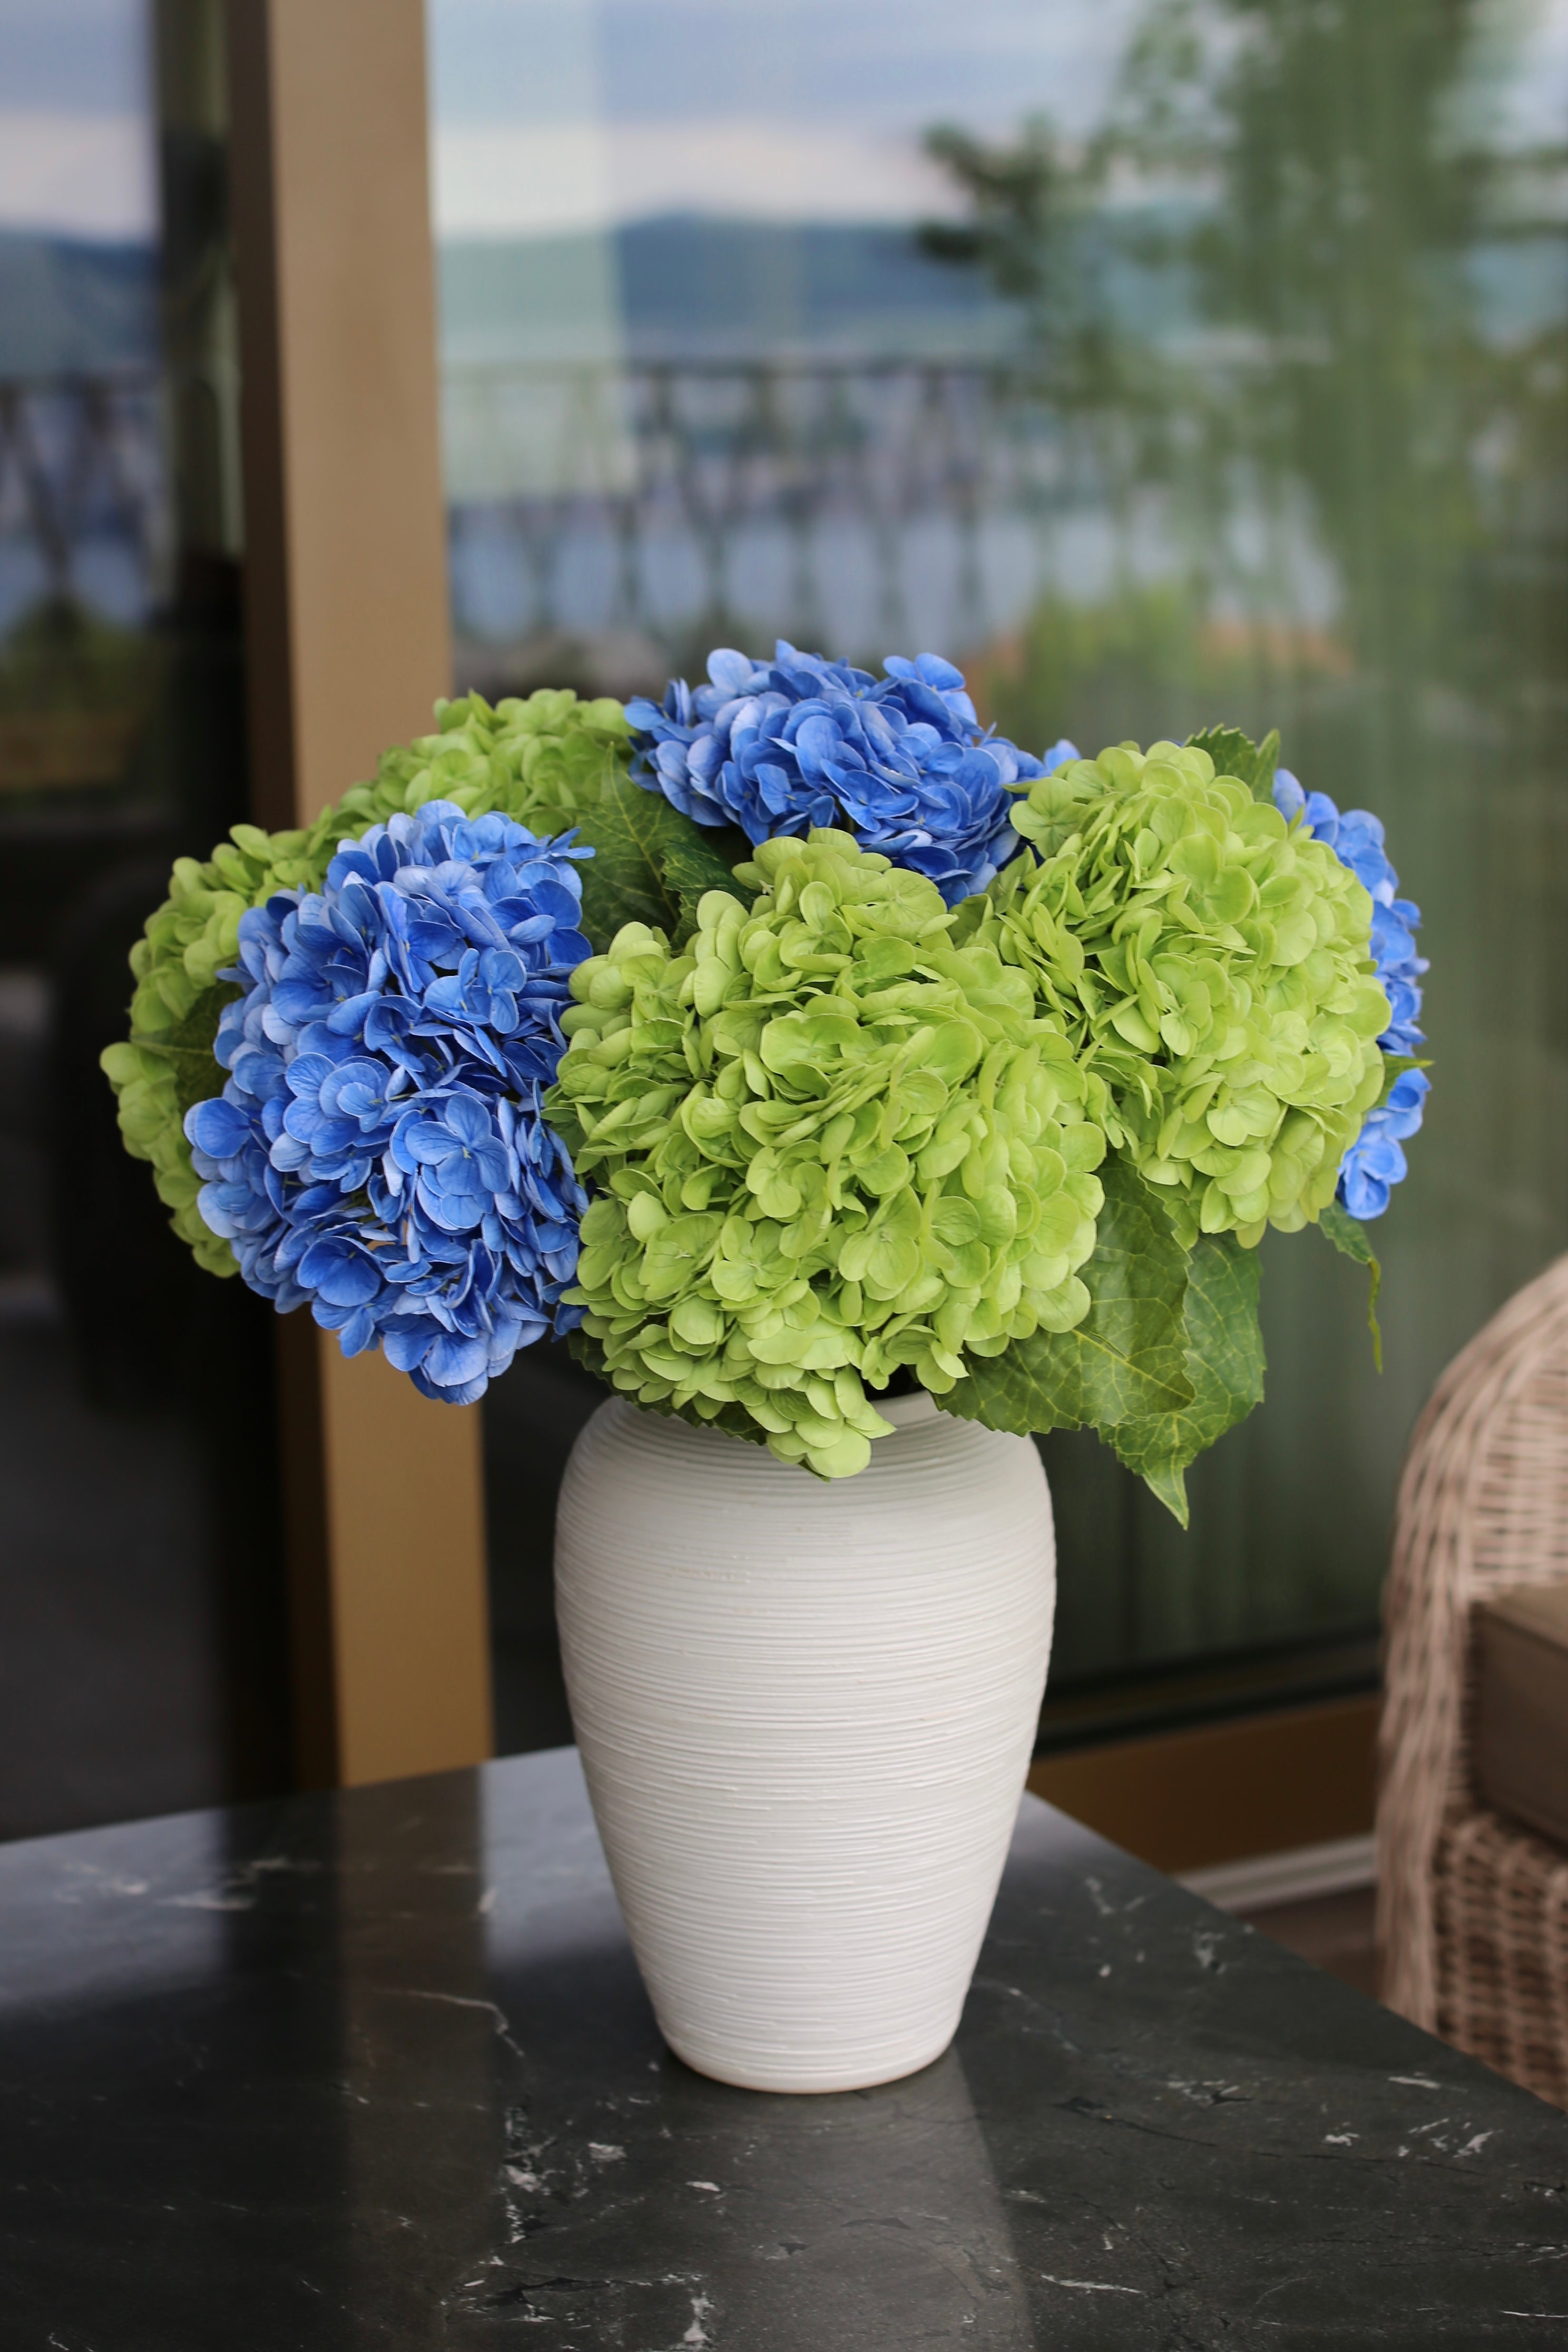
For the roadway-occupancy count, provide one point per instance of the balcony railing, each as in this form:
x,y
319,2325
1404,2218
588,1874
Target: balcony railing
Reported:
x,y
83,491
849,499
868,504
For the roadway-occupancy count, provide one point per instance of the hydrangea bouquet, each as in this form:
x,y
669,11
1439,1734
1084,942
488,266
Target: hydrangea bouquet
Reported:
x,y
787,1043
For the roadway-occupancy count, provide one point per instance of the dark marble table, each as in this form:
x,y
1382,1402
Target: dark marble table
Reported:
x,y
377,2071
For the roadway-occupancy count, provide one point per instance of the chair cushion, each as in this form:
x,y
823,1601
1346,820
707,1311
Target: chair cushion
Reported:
x,y
1521,1704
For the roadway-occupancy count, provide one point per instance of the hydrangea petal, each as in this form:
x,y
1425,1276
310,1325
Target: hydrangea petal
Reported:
x,y
1373,1163
801,742
801,1193
411,1022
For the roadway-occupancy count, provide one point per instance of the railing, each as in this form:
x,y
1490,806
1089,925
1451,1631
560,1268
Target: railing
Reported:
x,y
870,504
82,486
846,500
602,497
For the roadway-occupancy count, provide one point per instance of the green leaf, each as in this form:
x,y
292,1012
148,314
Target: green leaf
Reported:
x,y
706,862
647,860
187,1048
629,832
1225,1362
1350,1239
1126,1360
1235,754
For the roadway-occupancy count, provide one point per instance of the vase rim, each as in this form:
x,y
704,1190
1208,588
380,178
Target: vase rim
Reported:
x,y
903,1410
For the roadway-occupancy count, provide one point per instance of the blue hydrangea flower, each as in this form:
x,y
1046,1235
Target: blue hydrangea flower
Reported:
x,y
378,1150
901,762
1356,840
1374,1162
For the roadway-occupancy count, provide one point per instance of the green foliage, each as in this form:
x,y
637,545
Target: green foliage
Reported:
x,y
1223,1361
1019,196
1037,229
1349,1237
1145,661
650,864
57,659
1169,1357
828,1143
1213,968
693,867
157,1078
629,831
1235,754
551,760
1125,1359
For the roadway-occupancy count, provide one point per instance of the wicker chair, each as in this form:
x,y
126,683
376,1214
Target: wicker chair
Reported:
x,y
1472,1924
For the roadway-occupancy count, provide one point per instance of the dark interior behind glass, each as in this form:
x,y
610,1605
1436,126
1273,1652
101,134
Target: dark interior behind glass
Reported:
x,y
142,1665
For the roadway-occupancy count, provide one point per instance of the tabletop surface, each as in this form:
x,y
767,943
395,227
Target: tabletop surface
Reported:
x,y
377,2070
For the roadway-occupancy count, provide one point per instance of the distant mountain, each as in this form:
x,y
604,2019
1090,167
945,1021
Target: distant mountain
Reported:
x,y
70,307
686,286
679,287
687,281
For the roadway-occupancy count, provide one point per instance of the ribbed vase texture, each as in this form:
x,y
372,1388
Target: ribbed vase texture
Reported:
x,y
805,1711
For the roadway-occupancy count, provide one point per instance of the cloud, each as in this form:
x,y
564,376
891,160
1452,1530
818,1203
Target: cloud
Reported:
x,y
522,180
90,175
847,64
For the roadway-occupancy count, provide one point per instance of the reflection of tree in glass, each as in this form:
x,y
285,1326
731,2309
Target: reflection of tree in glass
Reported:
x,y
1041,228
1314,191
1337,244
1035,229
1336,435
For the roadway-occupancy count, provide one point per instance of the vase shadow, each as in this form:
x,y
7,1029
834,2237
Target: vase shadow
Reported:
x,y
634,2193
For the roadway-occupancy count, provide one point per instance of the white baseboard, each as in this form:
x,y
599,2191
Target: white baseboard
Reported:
x,y
1294,1878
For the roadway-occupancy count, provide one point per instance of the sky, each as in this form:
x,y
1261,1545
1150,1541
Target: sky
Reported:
x,y
556,114
76,146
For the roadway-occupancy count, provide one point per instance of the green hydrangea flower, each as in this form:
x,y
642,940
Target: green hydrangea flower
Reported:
x,y
1213,967
828,1143
545,761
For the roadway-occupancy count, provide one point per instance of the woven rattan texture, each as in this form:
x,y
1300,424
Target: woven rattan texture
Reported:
x,y
1473,1909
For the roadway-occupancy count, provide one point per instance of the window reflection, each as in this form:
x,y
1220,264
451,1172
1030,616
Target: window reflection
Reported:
x,y
1163,361
141,1667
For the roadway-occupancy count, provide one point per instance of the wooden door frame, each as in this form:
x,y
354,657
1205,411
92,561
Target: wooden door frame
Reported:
x,y
347,648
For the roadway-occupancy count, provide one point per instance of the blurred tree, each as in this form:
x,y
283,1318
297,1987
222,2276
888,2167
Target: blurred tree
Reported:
x,y
1301,317
1031,203
1319,190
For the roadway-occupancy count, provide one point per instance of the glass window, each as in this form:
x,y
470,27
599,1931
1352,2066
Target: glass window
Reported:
x,y
1163,363
142,1662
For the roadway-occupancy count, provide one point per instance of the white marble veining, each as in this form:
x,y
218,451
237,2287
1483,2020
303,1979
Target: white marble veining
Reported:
x,y
389,2118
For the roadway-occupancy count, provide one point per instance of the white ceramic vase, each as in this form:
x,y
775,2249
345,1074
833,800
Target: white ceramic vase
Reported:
x,y
805,1711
